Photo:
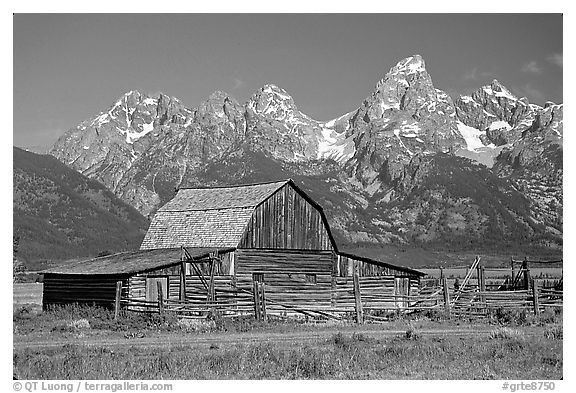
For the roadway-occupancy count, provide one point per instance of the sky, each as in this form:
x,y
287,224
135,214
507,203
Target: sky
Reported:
x,y
69,67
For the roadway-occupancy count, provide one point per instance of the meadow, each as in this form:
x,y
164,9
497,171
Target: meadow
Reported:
x,y
88,343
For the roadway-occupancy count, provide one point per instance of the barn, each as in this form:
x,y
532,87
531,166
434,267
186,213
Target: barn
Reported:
x,y
261,248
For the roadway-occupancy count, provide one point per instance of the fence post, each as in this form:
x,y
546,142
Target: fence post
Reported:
x,y
160,299
263,299
446,296
117,300
535,299
478,275
512,268
483,288
357,295
182,281
526,274
256,296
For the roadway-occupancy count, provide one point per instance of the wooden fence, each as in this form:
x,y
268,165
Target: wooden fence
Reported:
x,y
476,301
358,298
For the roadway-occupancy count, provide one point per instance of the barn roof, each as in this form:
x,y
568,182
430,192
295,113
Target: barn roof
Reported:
x,y
193,228
126,263
207,217
407,270
217,198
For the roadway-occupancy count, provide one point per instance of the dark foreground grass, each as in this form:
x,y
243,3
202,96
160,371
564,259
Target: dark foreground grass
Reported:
x,y
343,356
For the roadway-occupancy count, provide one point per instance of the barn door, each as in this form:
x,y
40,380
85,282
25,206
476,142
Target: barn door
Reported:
x,y
152,288
401,291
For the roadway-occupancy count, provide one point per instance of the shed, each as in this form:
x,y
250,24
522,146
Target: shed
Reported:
x,y
93,281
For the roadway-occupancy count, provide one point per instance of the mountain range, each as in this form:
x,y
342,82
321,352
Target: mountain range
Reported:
x,y
410,166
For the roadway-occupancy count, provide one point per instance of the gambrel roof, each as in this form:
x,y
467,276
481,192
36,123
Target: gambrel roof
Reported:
x,y
207,217
220,198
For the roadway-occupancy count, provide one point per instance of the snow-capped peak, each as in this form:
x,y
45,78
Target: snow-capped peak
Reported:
x,y
409,65
277,92
499,90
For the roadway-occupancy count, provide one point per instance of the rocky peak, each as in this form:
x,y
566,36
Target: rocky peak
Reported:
x,y
548,122
217,103
403,117
406,85
495,112
499,90
272,102
221,118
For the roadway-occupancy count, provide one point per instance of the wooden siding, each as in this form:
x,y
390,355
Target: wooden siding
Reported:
x,y
296,282
286,220
250,261
69,289
285,277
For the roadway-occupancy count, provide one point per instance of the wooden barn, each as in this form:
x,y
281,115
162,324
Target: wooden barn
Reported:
x,y
262,248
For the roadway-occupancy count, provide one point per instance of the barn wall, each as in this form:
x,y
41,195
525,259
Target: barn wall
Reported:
x,y
196,293
286,221
60,289
300,279
293,279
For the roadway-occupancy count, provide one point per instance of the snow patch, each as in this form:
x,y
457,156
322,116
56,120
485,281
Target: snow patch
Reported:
x,y
384,106
102,119
269,89
335,146
150,101
415,67
506,94
535,107
471,135
148,127
413,128
499,124
397,133
488,90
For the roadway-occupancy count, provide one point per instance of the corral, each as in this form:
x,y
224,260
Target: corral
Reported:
x,y
256,249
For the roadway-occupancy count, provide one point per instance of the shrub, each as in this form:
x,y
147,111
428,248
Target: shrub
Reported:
x,y
195,325
506,333
551,315
348,343
79,324
506,316
554,332
412,333
22,312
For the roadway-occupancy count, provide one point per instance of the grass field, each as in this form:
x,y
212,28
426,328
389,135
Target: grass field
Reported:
x,y
341,356
27,294
87,343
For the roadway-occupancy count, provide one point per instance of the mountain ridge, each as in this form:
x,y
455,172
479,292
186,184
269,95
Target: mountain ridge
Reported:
x,y
143,146
59,213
